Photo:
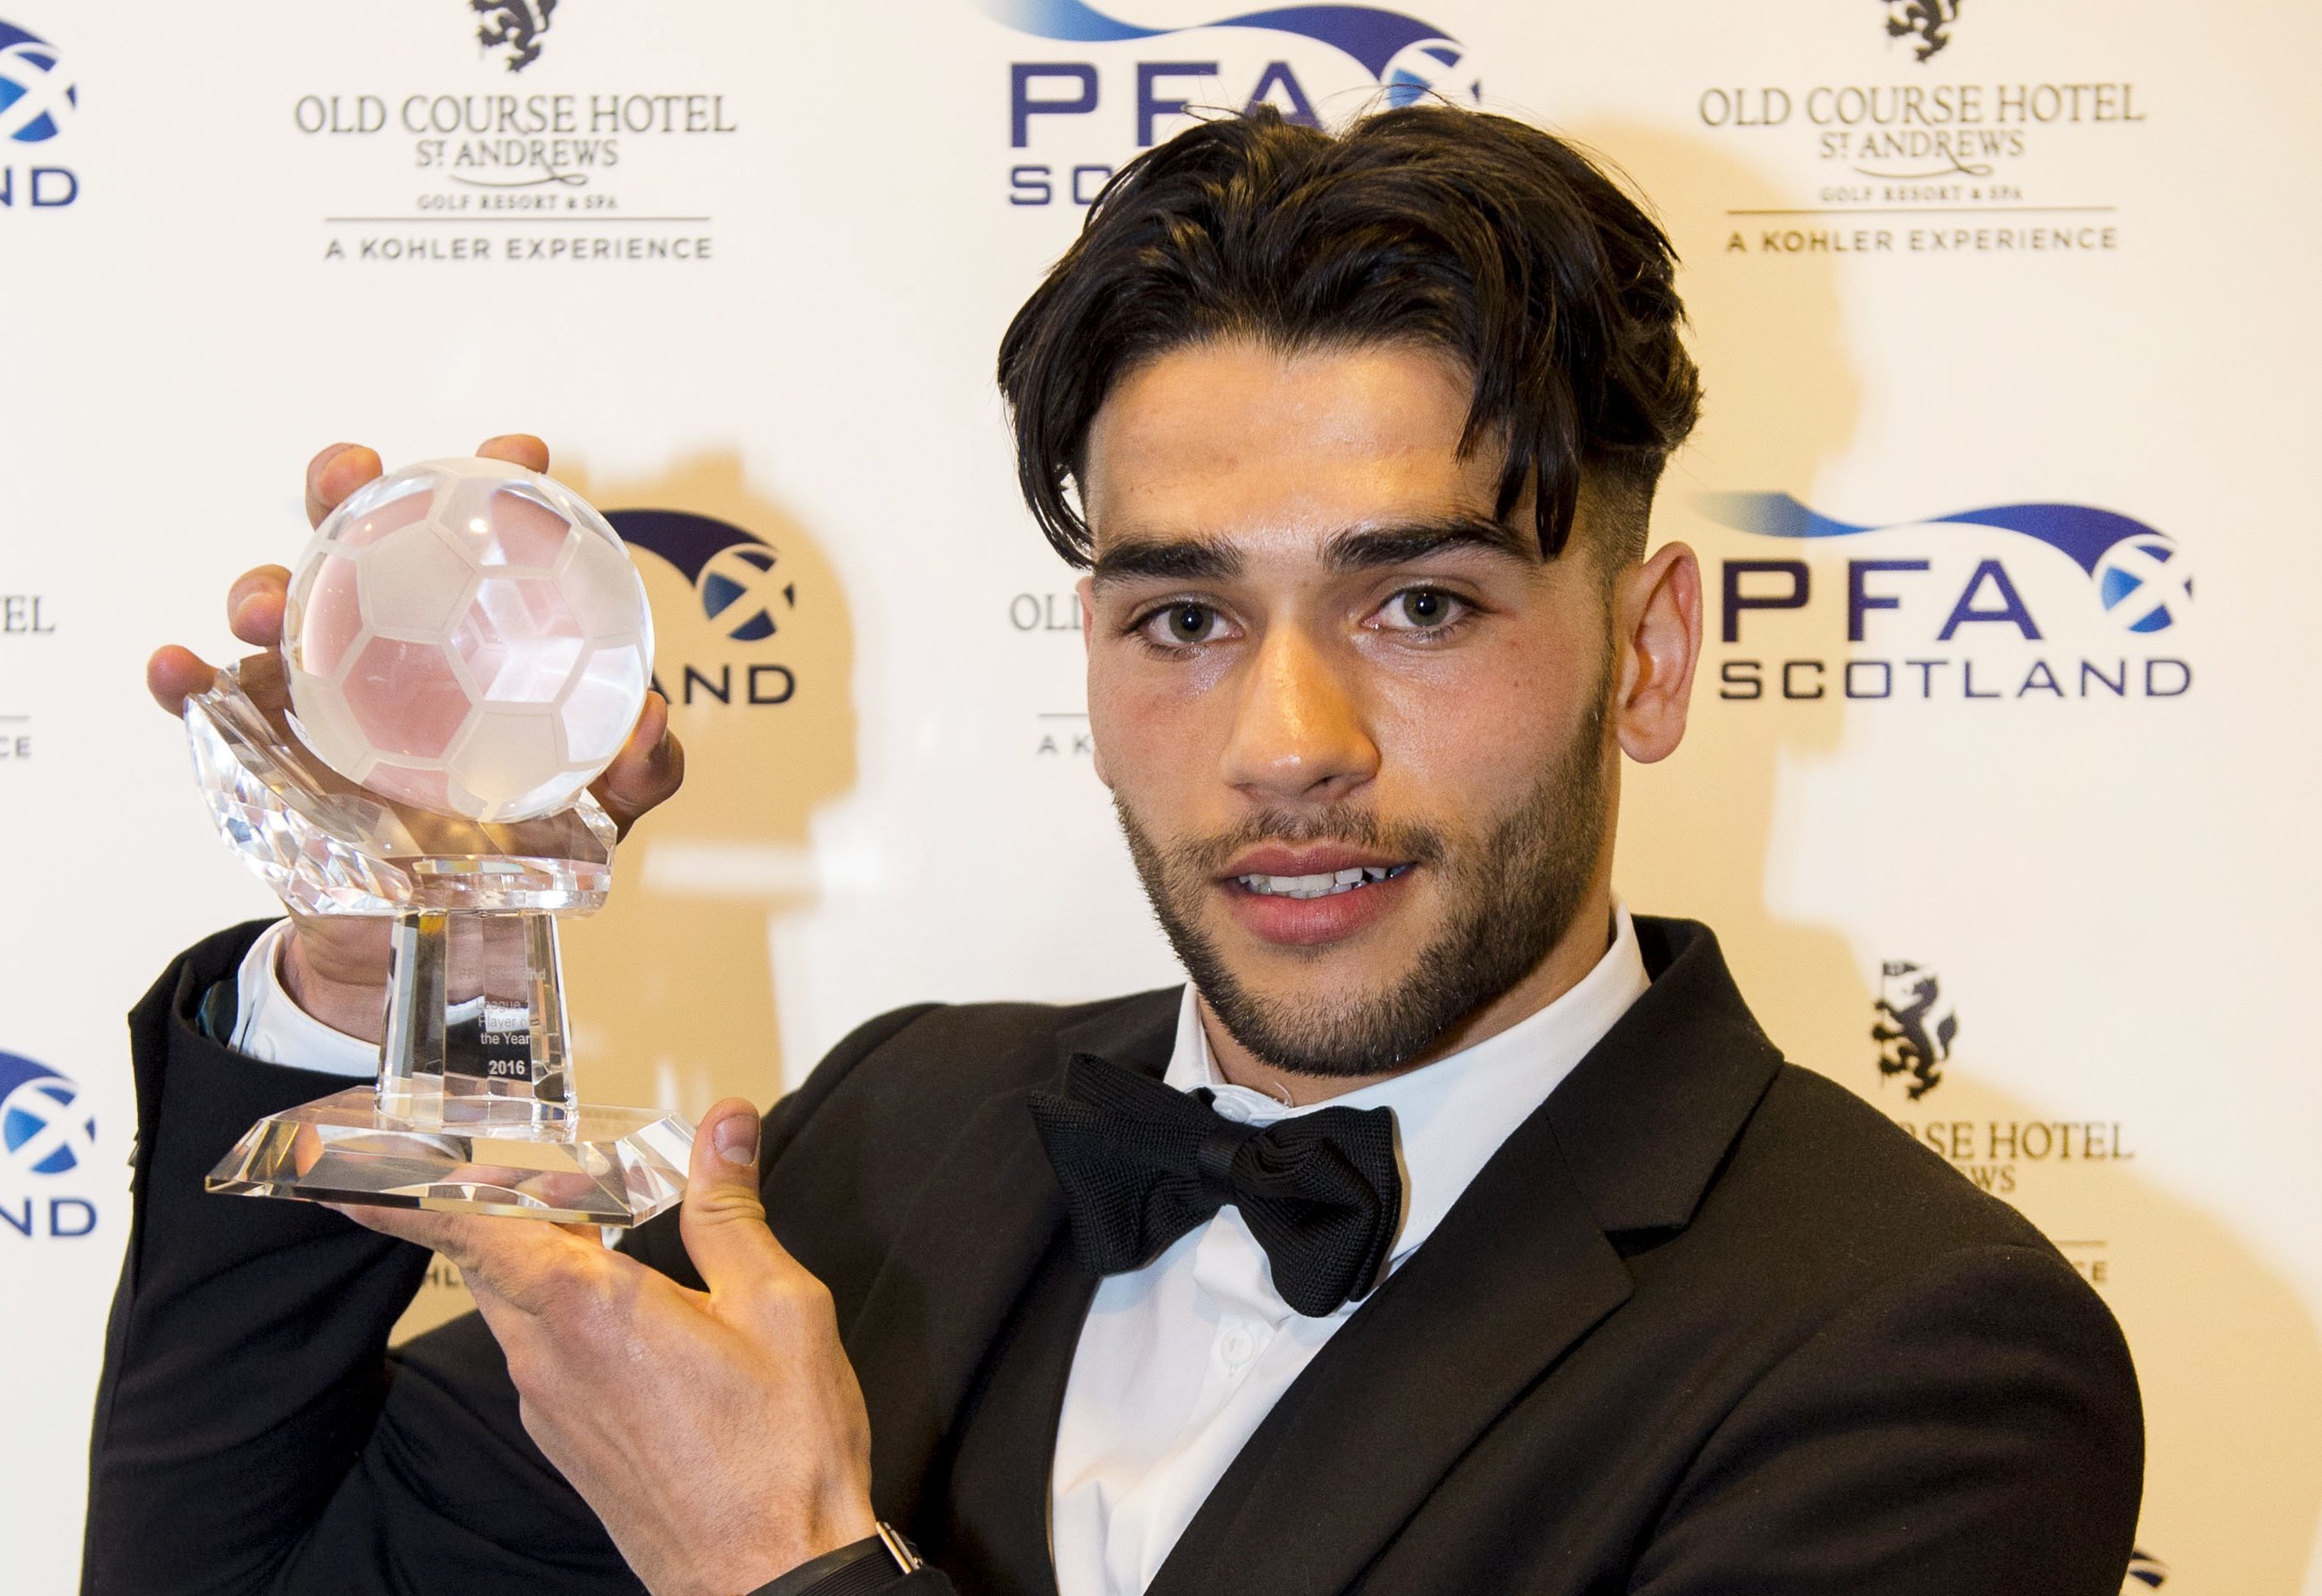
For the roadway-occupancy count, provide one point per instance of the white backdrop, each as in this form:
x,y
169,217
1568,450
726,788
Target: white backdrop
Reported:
x,y
751,263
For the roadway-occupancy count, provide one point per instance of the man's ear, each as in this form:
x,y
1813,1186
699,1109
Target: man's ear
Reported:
x,y
1086,592
1657,609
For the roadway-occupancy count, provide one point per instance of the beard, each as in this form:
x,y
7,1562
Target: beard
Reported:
x,y
1509,895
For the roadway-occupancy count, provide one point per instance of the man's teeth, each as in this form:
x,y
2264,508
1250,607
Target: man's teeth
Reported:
x,y
1322,886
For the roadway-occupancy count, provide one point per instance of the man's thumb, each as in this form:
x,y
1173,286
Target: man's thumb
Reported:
x,y
723,1221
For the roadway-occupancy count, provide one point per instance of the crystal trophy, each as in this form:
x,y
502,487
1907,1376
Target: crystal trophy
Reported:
x,y
464,649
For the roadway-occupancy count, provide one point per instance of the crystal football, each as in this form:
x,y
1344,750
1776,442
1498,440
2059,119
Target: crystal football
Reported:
x,y
469,637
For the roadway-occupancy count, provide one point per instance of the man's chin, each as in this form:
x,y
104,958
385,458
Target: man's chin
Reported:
x,y
1325,1023
1360,1004
1323,984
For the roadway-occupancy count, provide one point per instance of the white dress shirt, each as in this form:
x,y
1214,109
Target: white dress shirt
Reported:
x,y
1180,1361
269,1023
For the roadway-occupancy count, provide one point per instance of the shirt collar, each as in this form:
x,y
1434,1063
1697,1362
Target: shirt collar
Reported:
x,y
1452,1114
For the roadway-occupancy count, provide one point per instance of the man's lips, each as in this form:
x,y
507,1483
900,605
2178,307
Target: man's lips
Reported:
x,y
1280,861
1304,896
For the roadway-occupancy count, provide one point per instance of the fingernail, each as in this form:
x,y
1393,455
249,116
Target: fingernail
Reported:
x,y
737,1137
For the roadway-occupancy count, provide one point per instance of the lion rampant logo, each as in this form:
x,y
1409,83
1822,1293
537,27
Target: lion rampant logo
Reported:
x,y
515,28
1915,1037
1929,20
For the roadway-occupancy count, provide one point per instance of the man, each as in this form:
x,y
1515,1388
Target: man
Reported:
x,y
1452,1231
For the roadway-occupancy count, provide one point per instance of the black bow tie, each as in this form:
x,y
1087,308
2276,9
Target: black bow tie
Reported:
x,y
1141,1163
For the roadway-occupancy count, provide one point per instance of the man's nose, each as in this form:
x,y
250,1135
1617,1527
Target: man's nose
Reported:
x,y
1298,732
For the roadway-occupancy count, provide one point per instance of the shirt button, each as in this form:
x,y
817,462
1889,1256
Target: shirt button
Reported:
x,y
1231,1109
1236,1345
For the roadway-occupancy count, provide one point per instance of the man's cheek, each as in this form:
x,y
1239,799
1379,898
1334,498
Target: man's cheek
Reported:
x,y
1149,758
1452,761
1126,728
1114,745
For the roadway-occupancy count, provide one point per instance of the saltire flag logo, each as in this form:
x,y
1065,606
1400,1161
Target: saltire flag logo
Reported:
x,y
35,93
42,1126
736,576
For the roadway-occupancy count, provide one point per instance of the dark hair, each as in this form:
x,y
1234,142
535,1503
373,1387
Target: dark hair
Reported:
x,y
1472,233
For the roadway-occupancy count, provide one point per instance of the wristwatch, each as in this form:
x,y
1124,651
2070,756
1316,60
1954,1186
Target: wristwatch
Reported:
x,y
868,1566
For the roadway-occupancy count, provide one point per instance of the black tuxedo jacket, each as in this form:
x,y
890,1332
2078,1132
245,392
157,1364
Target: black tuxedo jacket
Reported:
x,y
1707,1323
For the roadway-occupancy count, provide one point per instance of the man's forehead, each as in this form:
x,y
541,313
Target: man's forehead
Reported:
x,y
1243,417
1246,451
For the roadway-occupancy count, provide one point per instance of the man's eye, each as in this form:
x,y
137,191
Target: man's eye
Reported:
x,y
1183,624
1422,609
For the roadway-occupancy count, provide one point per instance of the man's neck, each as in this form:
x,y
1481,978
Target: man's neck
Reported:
x,y
1565,965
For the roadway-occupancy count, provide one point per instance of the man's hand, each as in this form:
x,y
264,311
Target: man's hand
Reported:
x,y
336,967
720,1437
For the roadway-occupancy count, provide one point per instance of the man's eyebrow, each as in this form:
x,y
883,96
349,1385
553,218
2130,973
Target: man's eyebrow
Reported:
x,y
1176,560
1370,548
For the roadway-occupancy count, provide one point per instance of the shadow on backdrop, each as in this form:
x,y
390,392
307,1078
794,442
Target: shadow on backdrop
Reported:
x,y
2227,1354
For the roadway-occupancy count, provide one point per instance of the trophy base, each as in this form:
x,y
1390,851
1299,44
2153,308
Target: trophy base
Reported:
x,y
597,1166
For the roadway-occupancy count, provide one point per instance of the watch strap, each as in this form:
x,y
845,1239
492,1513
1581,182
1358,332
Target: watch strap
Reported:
x,y
861,1568
218,1009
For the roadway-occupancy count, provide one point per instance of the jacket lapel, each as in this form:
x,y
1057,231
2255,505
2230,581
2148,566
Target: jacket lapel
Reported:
x,y
1516,1273
1520,1269
983,1221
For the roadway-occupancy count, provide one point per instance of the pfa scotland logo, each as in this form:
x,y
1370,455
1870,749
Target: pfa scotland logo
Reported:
x,y
512,29
1929,21
37,93
2143,580
1411,60
1916,1026
42,1128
